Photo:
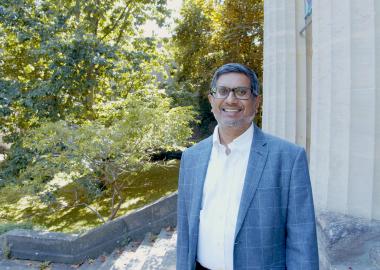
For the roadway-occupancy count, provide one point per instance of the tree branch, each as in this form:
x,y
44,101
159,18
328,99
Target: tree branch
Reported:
x,y
87,206
124,14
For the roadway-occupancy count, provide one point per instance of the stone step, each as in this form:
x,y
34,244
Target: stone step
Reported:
x,y
135,260
169,261
120,258
158,251
154,253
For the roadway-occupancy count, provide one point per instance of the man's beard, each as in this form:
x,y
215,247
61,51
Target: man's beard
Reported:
x,y
235,123
231,123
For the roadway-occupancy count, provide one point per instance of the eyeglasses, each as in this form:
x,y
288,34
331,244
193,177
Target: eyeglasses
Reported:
x,y
222,92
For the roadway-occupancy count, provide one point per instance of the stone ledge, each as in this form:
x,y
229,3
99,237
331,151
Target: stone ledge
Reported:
x,y
374,256
342,238
71,248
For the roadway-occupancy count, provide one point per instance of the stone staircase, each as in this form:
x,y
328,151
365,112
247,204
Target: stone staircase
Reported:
x,y
155,252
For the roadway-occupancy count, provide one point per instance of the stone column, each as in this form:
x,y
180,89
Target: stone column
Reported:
x,y
345,127
284,107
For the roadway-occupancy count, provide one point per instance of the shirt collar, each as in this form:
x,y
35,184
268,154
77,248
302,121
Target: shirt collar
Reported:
x,y
242,142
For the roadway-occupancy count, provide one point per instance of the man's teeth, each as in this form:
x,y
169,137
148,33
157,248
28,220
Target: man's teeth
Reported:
x,y
231,110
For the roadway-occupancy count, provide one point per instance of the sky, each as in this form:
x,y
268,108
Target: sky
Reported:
x,y
152,28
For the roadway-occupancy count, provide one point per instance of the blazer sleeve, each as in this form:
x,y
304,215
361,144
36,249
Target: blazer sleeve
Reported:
x,y
182,221
301,239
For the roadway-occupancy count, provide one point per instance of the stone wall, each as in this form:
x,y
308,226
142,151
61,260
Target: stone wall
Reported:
x,y
342,114
345,123
68,248
285,84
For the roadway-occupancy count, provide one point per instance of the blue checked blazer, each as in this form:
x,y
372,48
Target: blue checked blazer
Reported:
x,y
276,224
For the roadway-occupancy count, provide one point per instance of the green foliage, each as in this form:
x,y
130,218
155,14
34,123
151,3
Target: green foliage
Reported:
x,y
68,60
60,59
21,203
96,154
212,33
17,159
82,97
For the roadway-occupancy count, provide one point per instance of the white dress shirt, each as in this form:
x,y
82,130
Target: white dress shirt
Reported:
x,y
221,200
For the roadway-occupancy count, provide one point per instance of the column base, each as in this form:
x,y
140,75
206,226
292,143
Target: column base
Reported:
x,y
347,242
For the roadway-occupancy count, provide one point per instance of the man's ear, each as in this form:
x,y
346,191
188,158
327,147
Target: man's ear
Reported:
x,y
210,99
258,100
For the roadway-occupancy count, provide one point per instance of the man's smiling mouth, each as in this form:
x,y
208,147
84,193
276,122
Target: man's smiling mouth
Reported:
x,y
231,110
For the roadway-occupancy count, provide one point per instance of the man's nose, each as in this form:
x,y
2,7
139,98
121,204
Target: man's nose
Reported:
x,y
231,97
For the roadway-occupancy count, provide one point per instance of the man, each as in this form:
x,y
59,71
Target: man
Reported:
x,y
244,197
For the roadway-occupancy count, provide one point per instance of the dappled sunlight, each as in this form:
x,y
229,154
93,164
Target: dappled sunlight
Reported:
x,y
22,210
26,202
63,203
74,220
61,179
61,216
77,226
129,203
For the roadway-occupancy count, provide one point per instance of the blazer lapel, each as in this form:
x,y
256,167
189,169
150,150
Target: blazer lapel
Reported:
x,y
199,179
256,162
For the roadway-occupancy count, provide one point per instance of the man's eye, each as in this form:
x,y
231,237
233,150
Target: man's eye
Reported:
x,y
241,92
222,91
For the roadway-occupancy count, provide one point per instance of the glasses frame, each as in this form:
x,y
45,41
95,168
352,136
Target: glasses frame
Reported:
x,y
214,89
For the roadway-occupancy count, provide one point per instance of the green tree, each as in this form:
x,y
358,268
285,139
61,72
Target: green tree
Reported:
x,y
101,156
69,60
68,55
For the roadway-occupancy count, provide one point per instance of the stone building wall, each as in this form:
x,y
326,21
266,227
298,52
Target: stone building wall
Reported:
x,y
321,92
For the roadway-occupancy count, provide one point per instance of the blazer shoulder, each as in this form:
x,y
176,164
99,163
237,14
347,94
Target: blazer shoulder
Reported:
x,y
281,145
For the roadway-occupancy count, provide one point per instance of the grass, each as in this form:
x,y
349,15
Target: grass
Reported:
x,y
8,226
17,210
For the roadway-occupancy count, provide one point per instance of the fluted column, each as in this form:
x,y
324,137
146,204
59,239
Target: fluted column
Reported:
x,y
284,107
345,127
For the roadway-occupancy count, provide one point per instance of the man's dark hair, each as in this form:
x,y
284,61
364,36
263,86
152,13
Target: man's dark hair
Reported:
x,y
237,68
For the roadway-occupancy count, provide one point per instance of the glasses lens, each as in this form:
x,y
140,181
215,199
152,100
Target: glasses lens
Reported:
x,y
223,92
242,92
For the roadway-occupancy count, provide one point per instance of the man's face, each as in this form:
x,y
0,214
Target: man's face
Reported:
x,y
232,112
